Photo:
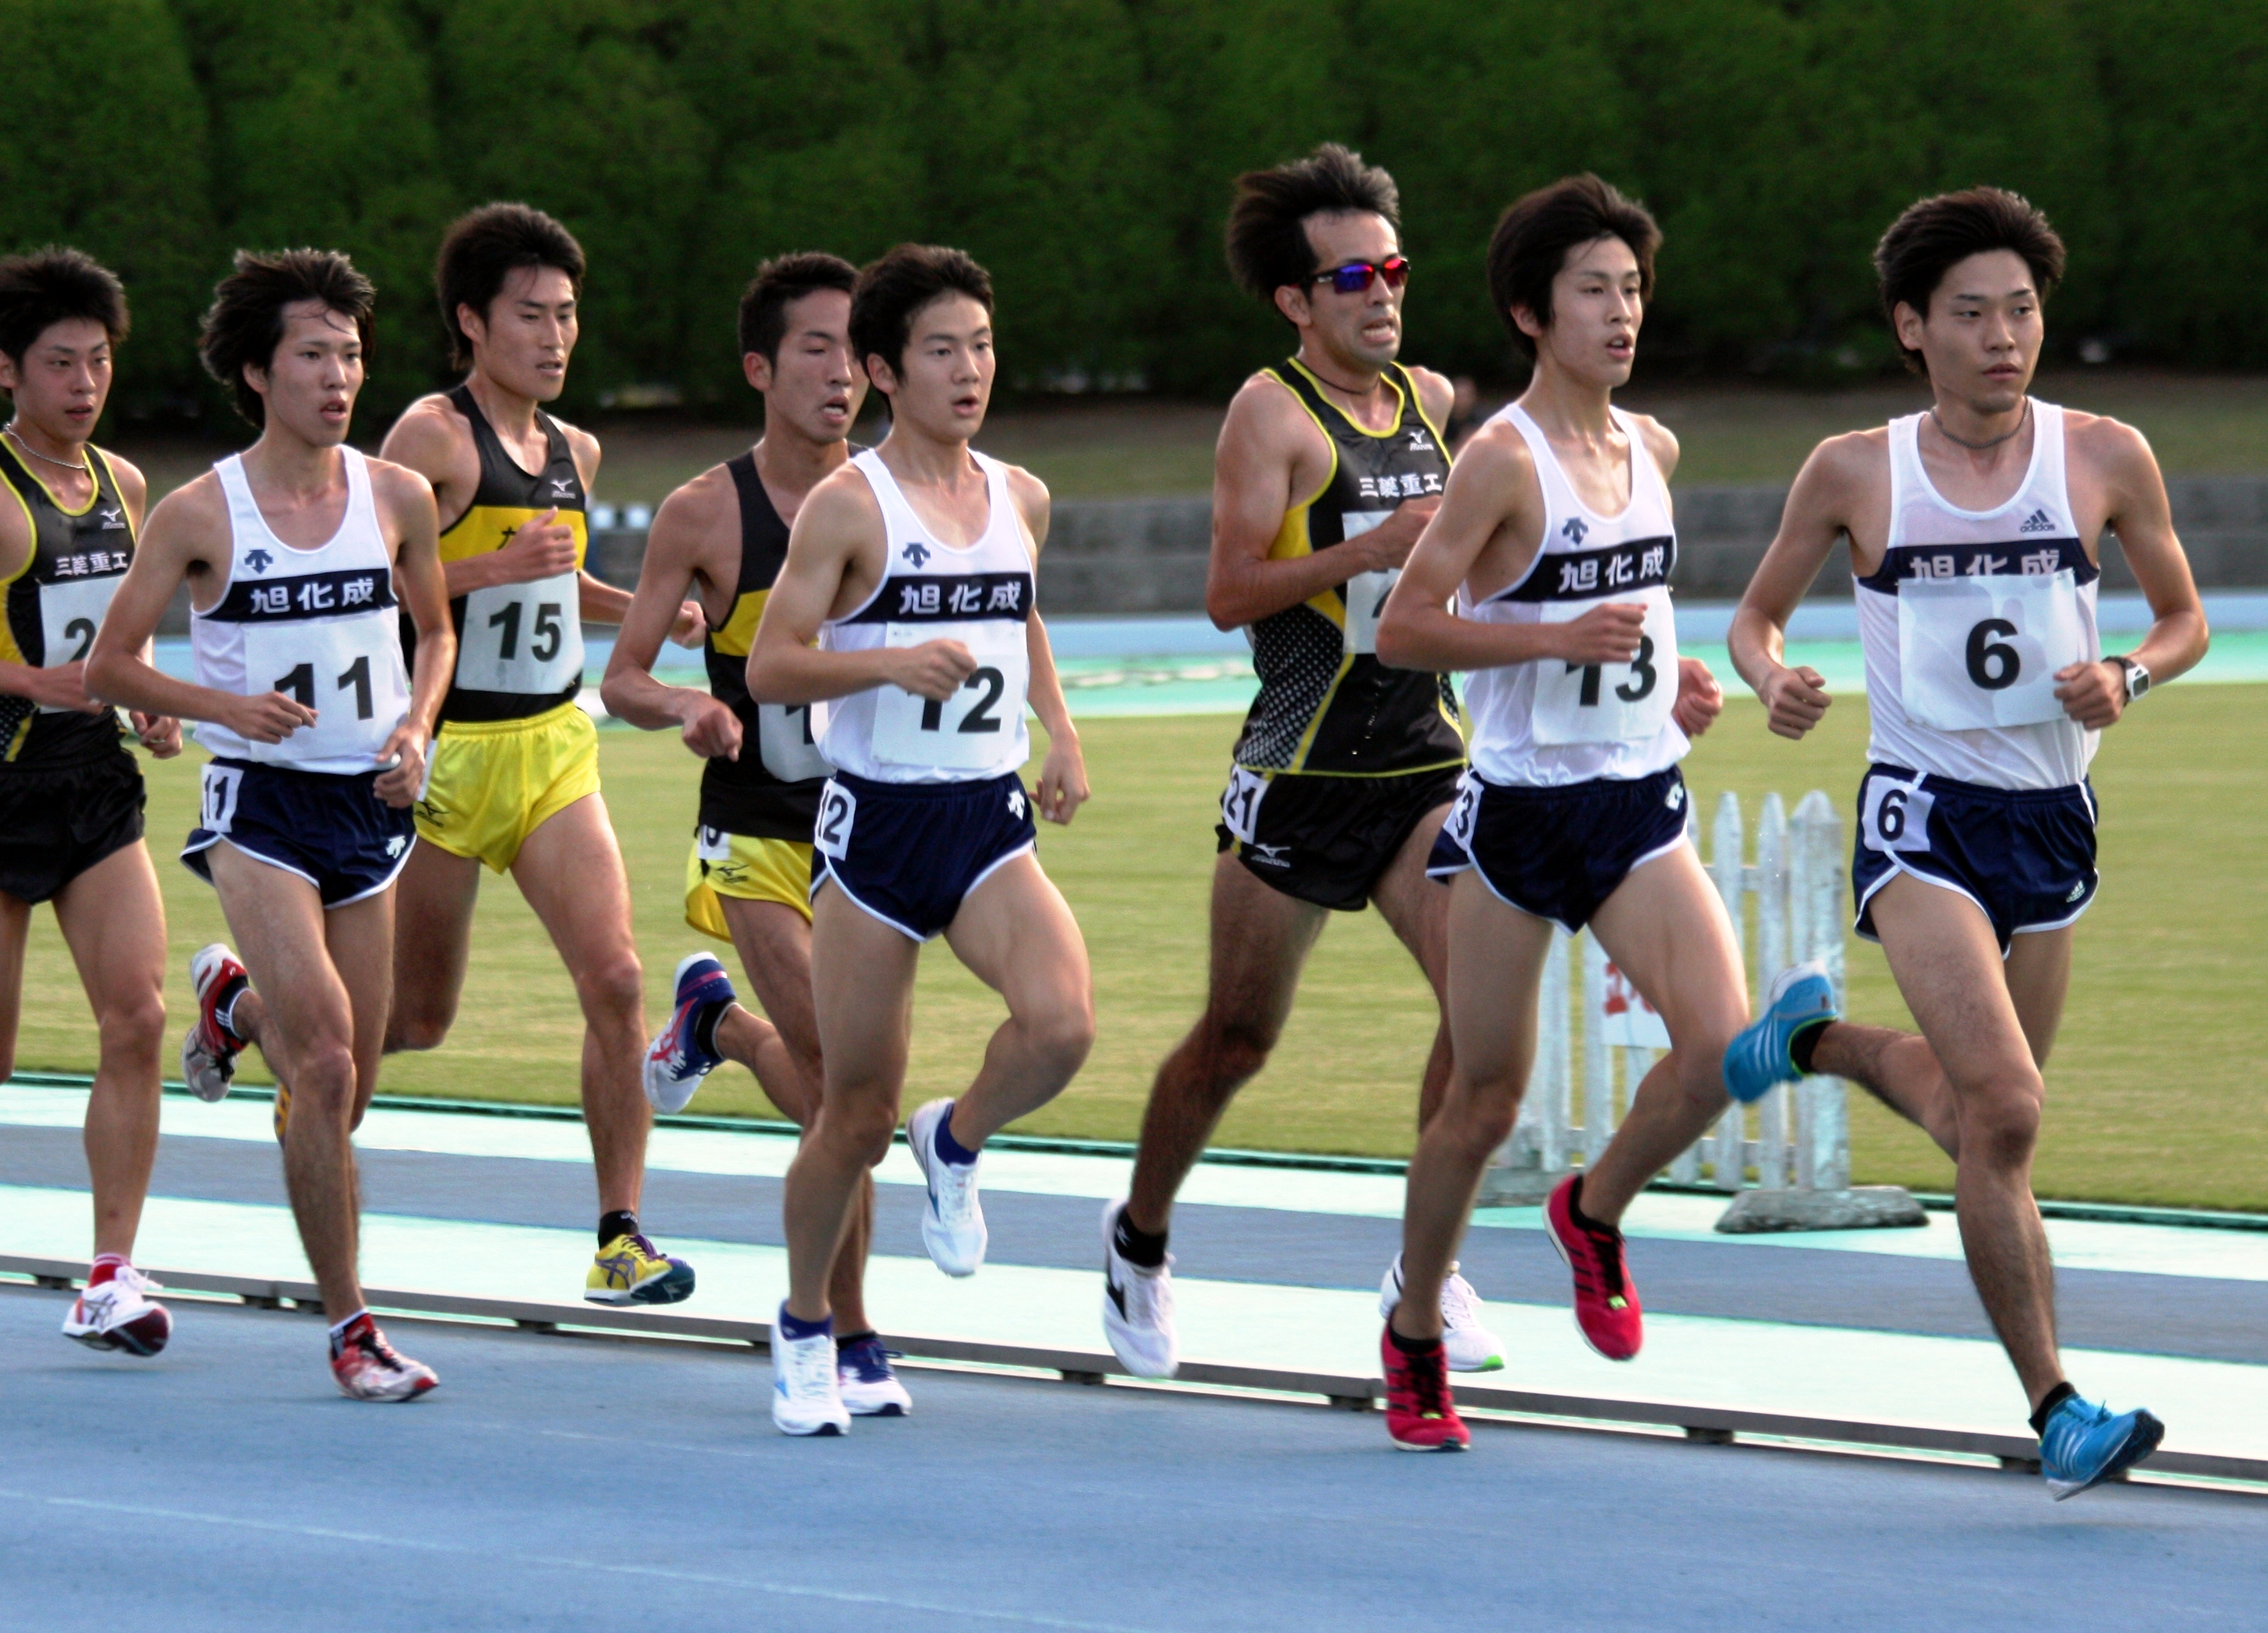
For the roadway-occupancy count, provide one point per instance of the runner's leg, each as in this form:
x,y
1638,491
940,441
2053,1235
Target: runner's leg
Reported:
x,y
15,936
1260,941
114,920
433,902
1417,908
1016,934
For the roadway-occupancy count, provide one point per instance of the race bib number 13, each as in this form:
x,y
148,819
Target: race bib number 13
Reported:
x,y
1609,702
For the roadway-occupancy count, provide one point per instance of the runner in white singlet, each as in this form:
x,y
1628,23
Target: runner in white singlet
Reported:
x,y
1973,530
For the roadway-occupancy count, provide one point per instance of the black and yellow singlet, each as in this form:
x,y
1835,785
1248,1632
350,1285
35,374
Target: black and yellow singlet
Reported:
x,y
519,646
1327,705
771,791
55,603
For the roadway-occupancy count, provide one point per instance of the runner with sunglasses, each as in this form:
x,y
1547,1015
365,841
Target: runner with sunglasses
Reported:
x,y
1328,465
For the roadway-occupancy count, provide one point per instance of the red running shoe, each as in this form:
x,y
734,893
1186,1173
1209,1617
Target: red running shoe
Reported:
x,y
1606,1304
368,1368
1420,1415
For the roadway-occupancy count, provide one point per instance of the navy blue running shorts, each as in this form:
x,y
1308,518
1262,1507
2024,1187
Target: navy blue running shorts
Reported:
x,y
2024,856
909,853
1561,852
327,827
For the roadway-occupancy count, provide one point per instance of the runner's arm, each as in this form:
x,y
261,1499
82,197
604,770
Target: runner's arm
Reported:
x,y
672,555
419,585
1253,467
2095,695
1815,516
160,734
1062,773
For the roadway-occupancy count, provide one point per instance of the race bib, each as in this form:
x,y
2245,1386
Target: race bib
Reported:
x,y
350,675
1894,815
523,638
1366,594
1609,702
974,728
787,741
713,844
1240,802
69,613
1981,651
1458,825
218,808
838,812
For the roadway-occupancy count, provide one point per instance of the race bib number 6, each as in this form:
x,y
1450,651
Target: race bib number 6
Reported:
x,y
1609,702
1980,652
1895,816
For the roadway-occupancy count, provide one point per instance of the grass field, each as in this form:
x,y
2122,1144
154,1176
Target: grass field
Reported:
x,y
1101,448
2153,1094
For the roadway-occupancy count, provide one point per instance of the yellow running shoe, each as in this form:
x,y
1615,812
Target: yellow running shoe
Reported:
x,y
630,1269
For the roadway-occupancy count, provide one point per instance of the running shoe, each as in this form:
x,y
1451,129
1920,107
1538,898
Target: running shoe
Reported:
x,y
1138,1307
1470,1347
865,1382
675,1063
1758,1057
368,1368
2084,1445
807,1389
118,1313
953,1225
1420,1415
630,1269
280,1115
209,1051
1606,1304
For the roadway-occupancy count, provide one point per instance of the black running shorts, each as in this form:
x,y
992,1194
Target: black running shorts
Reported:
x,y
1327,839
54,824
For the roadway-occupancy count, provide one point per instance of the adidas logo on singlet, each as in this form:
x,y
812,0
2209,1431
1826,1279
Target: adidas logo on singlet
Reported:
x,y
2038,521
1575,529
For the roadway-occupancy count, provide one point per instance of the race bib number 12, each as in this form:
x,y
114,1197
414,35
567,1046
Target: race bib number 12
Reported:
x,y
975,727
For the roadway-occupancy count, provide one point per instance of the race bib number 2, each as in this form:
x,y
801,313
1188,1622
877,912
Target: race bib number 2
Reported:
x,y
1976,652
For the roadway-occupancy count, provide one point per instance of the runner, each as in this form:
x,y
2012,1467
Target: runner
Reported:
x,y
722,537
1975,531
515,780
1555,541
70,796
913,572
1329,464
294,552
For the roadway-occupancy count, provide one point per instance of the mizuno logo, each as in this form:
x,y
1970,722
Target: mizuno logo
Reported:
x,y
2038,521
562,489
259,560
1575,529
111,520
1419,443
915,553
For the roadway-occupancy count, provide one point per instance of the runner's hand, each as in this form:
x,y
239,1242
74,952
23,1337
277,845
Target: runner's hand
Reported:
x,y
1388,544
63,686
1700,699
692,625
934,670
268,719
160,734
1063,780
1793,700
709,728
400,784
542,547
1605,634
2094,695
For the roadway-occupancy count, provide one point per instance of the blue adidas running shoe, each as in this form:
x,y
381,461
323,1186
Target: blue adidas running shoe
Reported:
x,y
1757,1056
2084,1444
675,1063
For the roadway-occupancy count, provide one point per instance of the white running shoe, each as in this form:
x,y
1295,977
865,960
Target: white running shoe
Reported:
x,y
1470,1347
953,1225
868,1382
119,1314
1138,1307
806,1395
208,1052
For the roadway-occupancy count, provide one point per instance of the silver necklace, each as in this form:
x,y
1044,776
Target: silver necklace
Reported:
x,y
83,466
2023,420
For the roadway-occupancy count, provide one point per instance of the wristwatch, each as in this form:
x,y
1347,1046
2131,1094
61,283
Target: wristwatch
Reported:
x,y
2137,678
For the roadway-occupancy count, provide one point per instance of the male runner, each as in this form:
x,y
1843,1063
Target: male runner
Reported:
x,y
1329,464
912,570
723,536
515,782
70,796
1555,541
1975,531
295,552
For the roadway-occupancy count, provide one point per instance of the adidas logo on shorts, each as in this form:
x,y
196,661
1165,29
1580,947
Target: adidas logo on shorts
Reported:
x,y
2077,891
2038,521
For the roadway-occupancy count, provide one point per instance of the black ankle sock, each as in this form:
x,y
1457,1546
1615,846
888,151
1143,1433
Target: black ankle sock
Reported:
x,y
844,1341
1805,1041
620,1222
1411,1346
704,1026
1575,1207
1135,1244
2053,1399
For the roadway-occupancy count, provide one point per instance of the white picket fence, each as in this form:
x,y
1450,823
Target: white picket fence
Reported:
x,y
1786,908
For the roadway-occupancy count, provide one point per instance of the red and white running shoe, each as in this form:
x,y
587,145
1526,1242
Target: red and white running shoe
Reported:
x,y
1606,1304
1420,1415
209,1053
118,1313
368,1368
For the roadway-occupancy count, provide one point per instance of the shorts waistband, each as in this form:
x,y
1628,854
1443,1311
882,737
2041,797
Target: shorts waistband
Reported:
x,y
1576,791
505,728
362,779
1936,784
865,787
1279,774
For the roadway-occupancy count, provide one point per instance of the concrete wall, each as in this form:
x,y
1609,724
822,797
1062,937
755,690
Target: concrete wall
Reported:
x,y
1148,556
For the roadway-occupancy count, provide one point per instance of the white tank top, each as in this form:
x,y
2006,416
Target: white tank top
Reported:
x,y
980,596
1968,617
1549,723
320,624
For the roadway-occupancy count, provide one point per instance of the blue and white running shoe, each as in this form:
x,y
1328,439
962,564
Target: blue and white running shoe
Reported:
x,y
674,1064
2084,1444
868,1384
1757,1056
953,1225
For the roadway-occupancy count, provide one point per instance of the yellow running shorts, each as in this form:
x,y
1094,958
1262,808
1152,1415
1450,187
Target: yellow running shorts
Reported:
x,y
753,870
495,782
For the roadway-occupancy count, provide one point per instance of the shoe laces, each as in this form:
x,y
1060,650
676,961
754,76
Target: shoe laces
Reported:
x,y
868,1359
1425,1376
1149,1291
952,1187
1460,1304
806,1366
1607,1256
